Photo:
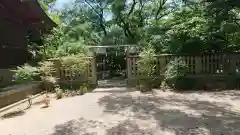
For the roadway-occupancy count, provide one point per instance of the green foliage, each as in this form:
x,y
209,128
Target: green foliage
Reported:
x,y
71,48
25,73
47,70
43,72
83,90
177,26
75,63
49,81
52,42
146,62
146,67
176,70
46,4
183,26
185,32
115,36
59,44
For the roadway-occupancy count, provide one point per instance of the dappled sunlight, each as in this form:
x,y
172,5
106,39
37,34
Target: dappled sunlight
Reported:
x,y
128,128
13,114
134,113
177,112
74,127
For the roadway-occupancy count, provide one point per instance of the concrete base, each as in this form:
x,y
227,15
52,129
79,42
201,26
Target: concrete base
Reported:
x,y
198,82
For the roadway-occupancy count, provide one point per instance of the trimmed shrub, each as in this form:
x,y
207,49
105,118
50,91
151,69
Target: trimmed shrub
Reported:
x,y
25,73
47,70
59,93
175,75
146,68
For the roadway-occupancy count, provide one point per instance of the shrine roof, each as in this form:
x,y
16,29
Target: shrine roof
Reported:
x,y
27,11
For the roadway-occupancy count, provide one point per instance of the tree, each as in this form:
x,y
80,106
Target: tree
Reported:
x,y
80,25
177,26
46,5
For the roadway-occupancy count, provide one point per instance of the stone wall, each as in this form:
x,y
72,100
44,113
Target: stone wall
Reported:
x,y
15,93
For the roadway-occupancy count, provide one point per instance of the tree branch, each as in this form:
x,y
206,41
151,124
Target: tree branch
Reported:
x,y
160,8
140,13
92,7
132,7
100,15
161,16
102,23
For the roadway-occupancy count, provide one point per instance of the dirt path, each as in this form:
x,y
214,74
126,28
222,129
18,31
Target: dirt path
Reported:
x,y
119,111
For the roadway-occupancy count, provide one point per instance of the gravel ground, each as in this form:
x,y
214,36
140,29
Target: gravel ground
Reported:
x,y
122,111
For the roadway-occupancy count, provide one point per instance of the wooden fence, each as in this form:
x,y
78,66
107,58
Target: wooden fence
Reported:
x,y
71,77
201,66
215,67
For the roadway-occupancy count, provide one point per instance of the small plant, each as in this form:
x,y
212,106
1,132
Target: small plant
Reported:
x,y
75,63
83,89
49,82
59,93
146,68
46,100
25,73
47,70
176,70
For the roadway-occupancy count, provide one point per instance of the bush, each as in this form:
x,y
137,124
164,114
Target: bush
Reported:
x,y
175,75
49,82
47,70
83,89
73,48
75,63
25,73
146,68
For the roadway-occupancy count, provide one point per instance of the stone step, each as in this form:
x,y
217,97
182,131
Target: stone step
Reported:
x,y
111,83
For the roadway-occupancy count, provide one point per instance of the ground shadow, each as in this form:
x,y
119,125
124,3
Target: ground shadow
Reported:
x,y
37,103
45,106
13,114
76,127
127,128
177,114
230,94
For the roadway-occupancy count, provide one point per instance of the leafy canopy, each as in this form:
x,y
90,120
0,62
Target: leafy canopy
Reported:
x,y
177,26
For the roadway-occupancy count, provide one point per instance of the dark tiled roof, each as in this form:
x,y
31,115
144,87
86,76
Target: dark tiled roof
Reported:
x,y
27,11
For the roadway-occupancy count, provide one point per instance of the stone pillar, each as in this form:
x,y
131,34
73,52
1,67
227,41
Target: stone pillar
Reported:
x,y
94,69
128,70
